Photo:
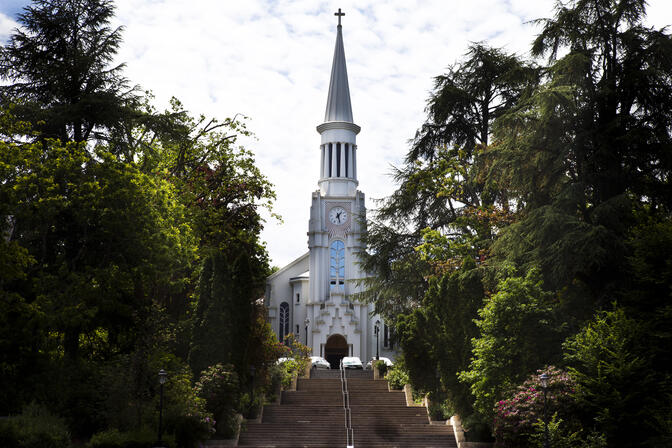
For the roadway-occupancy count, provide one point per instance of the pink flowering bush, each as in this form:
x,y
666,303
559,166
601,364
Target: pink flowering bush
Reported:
x,y
515,417
219,387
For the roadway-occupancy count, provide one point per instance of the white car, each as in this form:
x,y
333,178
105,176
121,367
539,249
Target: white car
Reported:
x,y
388,362
283,360
319,362
352,362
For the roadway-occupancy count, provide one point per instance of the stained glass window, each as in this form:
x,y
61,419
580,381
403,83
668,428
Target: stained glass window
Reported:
x,y
284,320
337,266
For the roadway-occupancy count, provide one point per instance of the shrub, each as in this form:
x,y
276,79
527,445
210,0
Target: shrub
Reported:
x,y
227,425
288,369
439,410
382,367
9,433
250,406
397,376
186,415
140,438
111,438
300,352
560,437
35,427
219,387
276,375
621,391
190,429
515,417
518,333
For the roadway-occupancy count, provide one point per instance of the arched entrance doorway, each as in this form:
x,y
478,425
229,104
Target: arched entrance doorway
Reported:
x,y
335,349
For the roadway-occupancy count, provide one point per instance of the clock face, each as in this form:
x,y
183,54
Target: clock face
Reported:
x,y
338,215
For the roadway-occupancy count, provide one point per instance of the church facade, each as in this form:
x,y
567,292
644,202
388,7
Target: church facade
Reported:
x,y
312,296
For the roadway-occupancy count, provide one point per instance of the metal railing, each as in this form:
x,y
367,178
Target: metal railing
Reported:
x,y
349,433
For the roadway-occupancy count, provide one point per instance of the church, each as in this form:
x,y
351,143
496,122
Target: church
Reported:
x,y
312,296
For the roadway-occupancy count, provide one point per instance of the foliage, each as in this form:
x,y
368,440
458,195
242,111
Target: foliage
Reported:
x,y
440,410
558,203
108,234
265,345
190,430
381,366
222,190
516,417
559,436
299,352
87,206
619,390
450,207
289,368
437,337
517,333
59,65
224,313
397,376
250,404
219,387
106,241
276,380
35,427
140,438
216,177
587,144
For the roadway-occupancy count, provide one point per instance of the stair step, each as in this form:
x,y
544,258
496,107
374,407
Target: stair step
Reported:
x,y
313,416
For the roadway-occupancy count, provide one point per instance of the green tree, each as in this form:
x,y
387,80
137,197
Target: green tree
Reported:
x,y
518,333
219,387
59,67
224,314
439,334
589,146
129,238
104,243
441,187
429,271
620,390
566,182
222,191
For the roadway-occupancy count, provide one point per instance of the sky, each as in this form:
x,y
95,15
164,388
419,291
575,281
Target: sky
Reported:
x,y
270,61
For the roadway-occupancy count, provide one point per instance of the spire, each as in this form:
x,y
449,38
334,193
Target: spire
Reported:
x,y
338,101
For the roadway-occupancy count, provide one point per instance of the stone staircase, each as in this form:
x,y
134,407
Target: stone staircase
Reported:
x,y
314,416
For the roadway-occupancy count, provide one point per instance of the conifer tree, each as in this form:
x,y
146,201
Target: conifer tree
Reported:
x,y
60,70
441,186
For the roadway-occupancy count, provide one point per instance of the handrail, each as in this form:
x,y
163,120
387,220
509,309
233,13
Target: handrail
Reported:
x,y
349,432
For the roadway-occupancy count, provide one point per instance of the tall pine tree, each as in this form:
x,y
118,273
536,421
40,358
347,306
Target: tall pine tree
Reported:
x,y
59,68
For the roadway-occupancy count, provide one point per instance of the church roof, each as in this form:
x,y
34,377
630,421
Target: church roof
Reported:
x,y
304,276
338,101
292,265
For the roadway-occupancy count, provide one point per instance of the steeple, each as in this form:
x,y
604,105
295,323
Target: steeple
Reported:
x,y
338,101
338,161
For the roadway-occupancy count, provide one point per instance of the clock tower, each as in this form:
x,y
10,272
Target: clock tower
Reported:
x,y
321,285
337,216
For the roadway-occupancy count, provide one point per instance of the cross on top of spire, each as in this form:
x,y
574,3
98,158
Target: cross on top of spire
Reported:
x,y
339,14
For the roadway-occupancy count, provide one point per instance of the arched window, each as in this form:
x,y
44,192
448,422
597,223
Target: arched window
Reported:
x,y
337,266
284,320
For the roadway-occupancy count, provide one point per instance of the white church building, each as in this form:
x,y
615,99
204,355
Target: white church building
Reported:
x,y
312,296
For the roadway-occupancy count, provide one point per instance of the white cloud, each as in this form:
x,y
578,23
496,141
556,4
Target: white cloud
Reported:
x,y
7,26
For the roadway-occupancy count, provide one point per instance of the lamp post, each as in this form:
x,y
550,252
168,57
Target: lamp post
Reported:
x,y
306,322
376,330
543,378
163,376
252,372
